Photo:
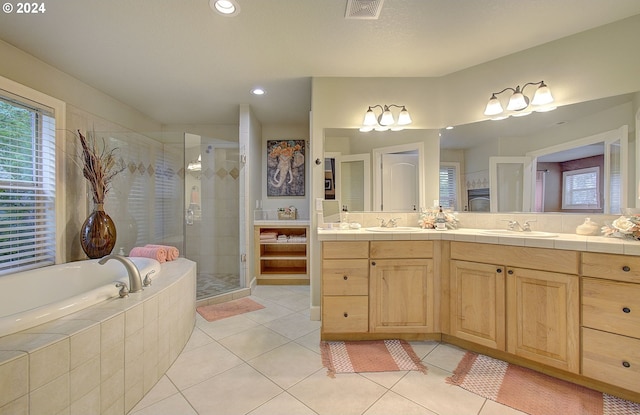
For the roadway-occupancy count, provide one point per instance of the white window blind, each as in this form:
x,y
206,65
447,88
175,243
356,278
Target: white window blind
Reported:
x,y
449,186
581,189
27,185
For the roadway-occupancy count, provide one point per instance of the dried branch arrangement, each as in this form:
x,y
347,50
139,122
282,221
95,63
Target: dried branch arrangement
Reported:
x,y
99,166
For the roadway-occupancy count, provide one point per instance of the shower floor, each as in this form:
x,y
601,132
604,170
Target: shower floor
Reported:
x,y
209,285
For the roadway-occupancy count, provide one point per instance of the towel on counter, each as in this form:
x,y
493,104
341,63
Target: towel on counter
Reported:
x,y
159,254
172,251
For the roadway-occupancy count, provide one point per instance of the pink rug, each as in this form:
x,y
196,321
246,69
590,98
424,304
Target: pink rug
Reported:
x,y
369,356
532,392
231,308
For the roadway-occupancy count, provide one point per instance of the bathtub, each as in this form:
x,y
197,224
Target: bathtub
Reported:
x,y
34,297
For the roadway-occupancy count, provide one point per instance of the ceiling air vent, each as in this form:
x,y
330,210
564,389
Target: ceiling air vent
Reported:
x,y
363,9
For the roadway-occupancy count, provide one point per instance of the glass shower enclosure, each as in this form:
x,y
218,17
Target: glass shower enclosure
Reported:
x,y
212,213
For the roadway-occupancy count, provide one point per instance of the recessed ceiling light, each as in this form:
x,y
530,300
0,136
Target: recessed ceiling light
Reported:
x,y
258,91
225,7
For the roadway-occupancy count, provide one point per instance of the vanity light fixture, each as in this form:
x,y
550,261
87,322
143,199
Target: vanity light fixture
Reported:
x,y
385,121
518,100
225,7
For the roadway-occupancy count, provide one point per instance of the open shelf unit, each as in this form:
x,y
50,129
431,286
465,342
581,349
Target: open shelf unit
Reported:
x,y
279,261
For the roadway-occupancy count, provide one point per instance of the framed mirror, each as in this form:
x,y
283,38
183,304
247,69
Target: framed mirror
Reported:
x,y
383,171
543,146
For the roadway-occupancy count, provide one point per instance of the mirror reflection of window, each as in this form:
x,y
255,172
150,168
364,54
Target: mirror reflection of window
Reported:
x,y
581,189
449,195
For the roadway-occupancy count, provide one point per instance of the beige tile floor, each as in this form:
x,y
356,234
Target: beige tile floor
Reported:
x,y
268,362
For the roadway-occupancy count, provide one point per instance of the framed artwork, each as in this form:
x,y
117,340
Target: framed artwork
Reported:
x,y
285,167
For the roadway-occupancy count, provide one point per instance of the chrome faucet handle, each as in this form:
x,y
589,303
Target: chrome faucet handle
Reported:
x,y
382,223
393,222
527,225
512,223
124,289
147,278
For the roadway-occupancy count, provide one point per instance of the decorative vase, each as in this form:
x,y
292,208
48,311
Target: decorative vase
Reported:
x,y
98,234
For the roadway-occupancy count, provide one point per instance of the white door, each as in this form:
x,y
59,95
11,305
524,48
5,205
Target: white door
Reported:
x,y
615,170
510,184
399,182
353,181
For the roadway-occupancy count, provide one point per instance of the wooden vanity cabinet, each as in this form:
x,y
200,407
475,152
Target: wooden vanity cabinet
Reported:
x,y
508,298
478,303
401,291
611,319
543,317
374,288
345,287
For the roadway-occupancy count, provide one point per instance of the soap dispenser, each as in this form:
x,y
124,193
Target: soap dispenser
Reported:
x,y
589,227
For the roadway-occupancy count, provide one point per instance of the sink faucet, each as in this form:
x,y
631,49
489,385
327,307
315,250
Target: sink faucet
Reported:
x,y
514,225
393,223
135,281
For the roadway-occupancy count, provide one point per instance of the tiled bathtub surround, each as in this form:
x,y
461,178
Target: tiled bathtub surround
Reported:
x,y
102,359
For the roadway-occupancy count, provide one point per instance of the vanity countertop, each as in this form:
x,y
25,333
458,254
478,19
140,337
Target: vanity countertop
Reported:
x,y
566,241
282,223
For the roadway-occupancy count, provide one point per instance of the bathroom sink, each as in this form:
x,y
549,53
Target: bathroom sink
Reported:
x,y
506,232
396,229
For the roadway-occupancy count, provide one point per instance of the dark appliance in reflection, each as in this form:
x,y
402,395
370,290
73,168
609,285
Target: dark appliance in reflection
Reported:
x,y
478,200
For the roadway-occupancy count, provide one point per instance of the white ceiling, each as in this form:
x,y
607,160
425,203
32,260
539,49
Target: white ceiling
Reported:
x,y
179,62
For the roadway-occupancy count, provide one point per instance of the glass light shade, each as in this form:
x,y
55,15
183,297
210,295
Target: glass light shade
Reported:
x,y
493,107
517,102
404,118
366,129
397,128
224,6
542,96
386,118
370,118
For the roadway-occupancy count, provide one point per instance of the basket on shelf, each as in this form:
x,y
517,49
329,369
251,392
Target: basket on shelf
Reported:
x,y
288,213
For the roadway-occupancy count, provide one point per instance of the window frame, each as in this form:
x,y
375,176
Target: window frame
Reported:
x,y
566,198
18,90
458,190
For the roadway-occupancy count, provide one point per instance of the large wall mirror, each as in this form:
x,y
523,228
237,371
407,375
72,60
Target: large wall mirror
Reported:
x,y
391,171
578,158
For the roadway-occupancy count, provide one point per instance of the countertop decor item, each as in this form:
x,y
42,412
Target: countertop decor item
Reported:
x,y
589,227
626,226
533,392
427,219
99,166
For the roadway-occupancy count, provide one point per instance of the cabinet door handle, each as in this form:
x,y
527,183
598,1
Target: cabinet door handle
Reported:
x,y
499,270
344,277
373,263
626,364
346,314
626,310
626,268
510,272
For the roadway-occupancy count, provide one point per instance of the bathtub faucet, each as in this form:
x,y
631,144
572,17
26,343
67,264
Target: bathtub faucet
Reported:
x,y
135,281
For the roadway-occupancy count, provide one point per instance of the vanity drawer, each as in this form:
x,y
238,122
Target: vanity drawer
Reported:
x,y
345,314
401,249
349,249
543,259
611,306
612,267
345,277
611,358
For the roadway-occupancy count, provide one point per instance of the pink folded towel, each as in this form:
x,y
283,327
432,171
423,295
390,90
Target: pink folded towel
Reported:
x,y
159,254
172,251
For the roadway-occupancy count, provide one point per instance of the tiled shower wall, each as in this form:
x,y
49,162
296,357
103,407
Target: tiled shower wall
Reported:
x,y
213,240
